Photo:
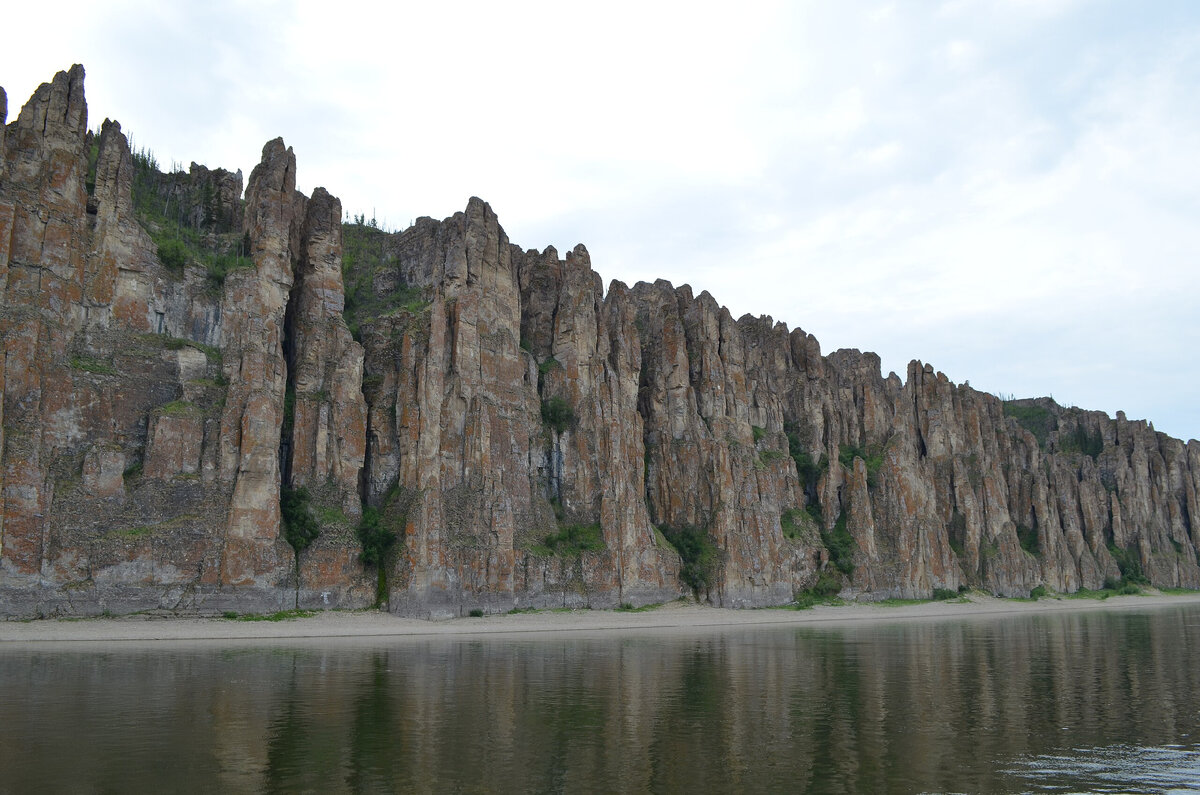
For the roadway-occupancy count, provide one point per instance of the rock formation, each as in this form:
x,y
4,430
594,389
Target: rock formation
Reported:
x,y
176,354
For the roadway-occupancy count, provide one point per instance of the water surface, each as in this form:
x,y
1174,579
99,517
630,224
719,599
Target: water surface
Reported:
x,y
1092,701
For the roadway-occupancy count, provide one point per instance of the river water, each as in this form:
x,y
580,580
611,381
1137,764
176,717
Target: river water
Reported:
x,y
1077,702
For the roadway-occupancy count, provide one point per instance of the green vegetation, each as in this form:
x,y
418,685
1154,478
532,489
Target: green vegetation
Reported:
x,y
178,241
841,546
872,456
944,594
1085,593
89,364
557,414
758,432
177,408
1034,418
699,555
957,531
1028,537
548,365
824,592
828,584
375,536
288,423
173,253
178,343
1038,592
627,607
282,615
1111,588
364,257
300,528
475,612
212,352
768,457
133,471
807,470
798,525
379,530
332,514
1081,440
572,540
1133,579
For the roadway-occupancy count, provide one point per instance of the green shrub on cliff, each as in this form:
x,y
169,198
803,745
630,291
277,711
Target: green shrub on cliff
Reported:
x,y
1130,563
179,238
699,555
1028,538
841,546
173,253
872,456
90,364
808,470
380,529
824,592
366,256
299,527
1081,440
375,536
557,414
1034,418
573,540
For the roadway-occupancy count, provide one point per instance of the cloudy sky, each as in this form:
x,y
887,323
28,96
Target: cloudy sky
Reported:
x,y
1006,189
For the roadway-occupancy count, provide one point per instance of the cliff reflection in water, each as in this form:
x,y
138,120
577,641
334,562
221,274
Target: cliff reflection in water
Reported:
x,y
904,707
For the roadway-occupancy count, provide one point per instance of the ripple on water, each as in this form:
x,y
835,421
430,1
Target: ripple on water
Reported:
x,y
1114,768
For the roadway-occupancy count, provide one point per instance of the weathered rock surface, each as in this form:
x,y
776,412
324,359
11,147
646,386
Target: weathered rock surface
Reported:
x,y
533,439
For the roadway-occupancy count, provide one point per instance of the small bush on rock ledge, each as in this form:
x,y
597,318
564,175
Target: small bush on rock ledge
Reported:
x,y
699,553
557,414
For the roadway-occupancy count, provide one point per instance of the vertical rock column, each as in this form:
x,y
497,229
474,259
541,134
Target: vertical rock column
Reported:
x,y
591,358
6,219
462,415
254,306
120,241
329,436
42,242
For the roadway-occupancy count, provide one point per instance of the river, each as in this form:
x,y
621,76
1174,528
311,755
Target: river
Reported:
x,y
1066,702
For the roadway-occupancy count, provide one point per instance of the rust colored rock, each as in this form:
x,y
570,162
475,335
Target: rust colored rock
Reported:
x,y
532,438
329,433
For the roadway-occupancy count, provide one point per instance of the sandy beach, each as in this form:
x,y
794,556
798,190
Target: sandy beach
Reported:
x,y
672,617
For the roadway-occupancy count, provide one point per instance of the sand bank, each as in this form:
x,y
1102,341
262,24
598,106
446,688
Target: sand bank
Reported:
x,y
677,616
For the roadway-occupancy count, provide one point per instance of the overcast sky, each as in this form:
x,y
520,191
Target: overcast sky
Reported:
x,y
1006,189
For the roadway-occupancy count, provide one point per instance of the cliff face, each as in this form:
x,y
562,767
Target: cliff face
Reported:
x,y
174,355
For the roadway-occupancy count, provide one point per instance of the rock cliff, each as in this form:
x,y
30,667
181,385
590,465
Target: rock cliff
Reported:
x,y
178,356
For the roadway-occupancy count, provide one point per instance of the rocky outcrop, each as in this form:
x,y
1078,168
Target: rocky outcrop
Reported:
x,y
175,356
142,401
